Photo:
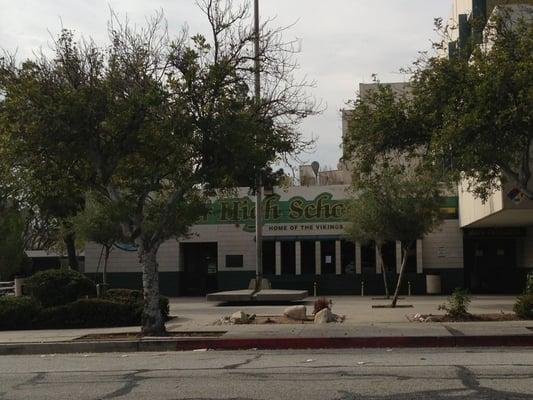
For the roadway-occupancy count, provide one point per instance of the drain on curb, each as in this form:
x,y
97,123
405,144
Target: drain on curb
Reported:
x,y
136,335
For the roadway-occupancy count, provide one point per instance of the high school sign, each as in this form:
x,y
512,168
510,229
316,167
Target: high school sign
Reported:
x,y
296,215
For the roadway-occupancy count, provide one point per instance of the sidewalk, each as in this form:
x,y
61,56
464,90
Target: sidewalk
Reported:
x,y
364,327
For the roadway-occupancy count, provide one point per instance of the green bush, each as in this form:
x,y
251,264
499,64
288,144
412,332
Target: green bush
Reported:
x,y
134,298
523,307
87,313
17,312
55,287
124,295
458,303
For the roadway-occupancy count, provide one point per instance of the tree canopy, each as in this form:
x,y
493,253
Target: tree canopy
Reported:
x,y
395,205
13,259
153,124
469,114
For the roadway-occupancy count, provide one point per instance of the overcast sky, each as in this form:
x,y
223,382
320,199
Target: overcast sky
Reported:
x,y
343,41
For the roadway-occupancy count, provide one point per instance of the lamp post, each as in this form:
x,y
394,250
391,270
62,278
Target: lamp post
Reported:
x,y
258,182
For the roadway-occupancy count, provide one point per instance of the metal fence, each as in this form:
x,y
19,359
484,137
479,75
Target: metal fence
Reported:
x,y
7,288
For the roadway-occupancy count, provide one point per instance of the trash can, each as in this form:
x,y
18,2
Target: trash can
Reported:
x,y
433,284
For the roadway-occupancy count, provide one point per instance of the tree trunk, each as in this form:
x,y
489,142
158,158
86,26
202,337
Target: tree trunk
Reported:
x,y
383,272
70,243
400,278
152,321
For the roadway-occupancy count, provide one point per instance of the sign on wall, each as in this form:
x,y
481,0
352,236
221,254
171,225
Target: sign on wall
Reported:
x,y
297,212
297,215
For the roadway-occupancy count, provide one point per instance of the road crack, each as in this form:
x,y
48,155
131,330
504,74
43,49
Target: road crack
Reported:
x,y
132,380
246,362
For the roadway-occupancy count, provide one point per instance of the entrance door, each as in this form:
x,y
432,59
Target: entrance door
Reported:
x,y
200,268
328,255
490,265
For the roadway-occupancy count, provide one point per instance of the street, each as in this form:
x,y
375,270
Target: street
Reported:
x,y
327,374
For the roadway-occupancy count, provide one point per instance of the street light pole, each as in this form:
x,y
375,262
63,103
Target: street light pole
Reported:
x,y
258,182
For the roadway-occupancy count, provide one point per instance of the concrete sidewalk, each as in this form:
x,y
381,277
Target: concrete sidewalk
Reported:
x,y
364,327
196,312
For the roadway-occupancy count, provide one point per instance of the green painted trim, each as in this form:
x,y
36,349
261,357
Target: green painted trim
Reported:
x,y
169,282
323,208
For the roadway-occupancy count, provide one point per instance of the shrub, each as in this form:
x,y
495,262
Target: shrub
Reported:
x,y
88,313
523,307
134,298
56,287
123,295
321,303
458,303
17,312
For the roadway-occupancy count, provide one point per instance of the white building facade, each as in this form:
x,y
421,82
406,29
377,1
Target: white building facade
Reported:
x,y
305,246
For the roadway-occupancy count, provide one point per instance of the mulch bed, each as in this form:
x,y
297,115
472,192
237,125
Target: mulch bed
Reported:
x,y
279,319
467,318
389,306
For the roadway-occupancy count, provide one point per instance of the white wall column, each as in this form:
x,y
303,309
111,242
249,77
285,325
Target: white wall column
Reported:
x,y
278,258
298,257
318,258
338,265
378,262
398,256
358,266
419,260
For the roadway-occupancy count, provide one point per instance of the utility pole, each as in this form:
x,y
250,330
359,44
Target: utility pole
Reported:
x,y
258,180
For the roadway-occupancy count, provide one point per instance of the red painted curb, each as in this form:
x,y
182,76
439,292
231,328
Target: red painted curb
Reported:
x,y
356,342
169,344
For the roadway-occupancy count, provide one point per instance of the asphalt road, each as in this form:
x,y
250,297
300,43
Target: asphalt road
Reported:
x,y
405,374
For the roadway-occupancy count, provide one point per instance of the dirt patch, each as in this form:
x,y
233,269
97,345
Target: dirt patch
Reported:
x,y
389,306
266,320
466,318
279,319
137,335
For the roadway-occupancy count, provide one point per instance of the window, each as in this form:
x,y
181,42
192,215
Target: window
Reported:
x,y
269,257
288,258
328,256
410,266
308,257
368,258
234,261
348,257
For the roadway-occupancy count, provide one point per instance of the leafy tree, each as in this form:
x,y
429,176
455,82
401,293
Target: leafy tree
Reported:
x,y
154,124
99,222
43,171
13,258
395,205
478,106
469,114
397,187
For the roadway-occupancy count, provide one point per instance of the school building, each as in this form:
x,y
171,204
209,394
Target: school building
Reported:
x,y
305,244
485,247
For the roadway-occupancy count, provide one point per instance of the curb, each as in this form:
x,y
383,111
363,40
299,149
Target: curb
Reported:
x,y
158,345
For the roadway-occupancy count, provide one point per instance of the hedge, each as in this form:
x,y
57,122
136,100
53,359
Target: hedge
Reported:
x,y
134,298
87,313
55,287
17,312
119,307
